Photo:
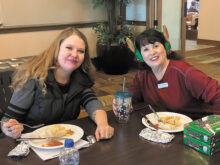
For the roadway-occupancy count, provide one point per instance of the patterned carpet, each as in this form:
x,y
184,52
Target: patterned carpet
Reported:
x,y
207,60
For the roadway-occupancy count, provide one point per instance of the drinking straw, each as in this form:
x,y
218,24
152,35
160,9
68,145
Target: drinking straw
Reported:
x,y
124,84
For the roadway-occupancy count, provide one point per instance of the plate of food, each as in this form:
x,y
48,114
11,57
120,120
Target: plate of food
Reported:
x,y
59,131
171,122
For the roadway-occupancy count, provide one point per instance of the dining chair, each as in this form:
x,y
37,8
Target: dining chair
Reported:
x,y
5,91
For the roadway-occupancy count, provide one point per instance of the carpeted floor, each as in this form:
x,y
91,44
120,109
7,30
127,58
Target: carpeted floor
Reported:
x,y
205,59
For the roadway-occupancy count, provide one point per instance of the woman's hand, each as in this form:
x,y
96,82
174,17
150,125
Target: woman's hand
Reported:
x,y
12,128
104,131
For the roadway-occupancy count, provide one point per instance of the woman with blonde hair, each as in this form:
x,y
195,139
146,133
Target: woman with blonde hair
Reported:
x,y
51,88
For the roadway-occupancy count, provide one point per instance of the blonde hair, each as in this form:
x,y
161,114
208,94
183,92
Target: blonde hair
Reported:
x,y
37,67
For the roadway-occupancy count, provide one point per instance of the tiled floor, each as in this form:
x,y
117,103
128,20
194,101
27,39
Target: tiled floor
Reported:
x,y
192,45
206,58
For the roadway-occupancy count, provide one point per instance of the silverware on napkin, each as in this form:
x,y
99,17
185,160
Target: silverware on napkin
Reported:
x,y
91,139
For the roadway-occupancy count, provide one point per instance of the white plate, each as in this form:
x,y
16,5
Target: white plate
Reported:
x,y
183,119
78,133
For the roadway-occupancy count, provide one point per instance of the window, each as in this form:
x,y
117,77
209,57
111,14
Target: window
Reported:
x,y
136,11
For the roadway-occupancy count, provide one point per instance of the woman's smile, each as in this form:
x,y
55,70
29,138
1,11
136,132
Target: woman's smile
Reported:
x,y
72,61
154,54
154,58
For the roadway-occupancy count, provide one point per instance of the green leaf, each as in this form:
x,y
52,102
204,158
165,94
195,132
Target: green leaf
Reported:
x,y
102,30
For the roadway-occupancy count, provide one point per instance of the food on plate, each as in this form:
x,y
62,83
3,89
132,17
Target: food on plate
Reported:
x,y
56,131
52,143
170,122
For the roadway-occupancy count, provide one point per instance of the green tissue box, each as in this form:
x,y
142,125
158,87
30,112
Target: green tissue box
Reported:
x,y
201,146
206,129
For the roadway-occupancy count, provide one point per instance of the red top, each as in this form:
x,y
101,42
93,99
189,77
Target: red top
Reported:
x,y
182,89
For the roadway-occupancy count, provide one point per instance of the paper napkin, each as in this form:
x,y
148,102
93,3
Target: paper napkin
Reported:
x,y
46,154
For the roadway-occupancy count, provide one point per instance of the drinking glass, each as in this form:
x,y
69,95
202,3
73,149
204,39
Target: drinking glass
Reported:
x,y
123,101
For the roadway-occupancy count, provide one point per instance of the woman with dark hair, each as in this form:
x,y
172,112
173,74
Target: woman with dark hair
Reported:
x,y
168,83
51,88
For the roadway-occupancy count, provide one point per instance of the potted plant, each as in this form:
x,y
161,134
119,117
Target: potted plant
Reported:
x,y
113,55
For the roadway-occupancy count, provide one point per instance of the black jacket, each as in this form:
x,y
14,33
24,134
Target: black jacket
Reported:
x,y
31,106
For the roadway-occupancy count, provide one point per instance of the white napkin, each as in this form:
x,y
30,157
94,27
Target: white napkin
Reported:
x,y
46,154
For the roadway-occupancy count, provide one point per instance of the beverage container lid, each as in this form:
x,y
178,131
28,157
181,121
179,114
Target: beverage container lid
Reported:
x,y
123,94
69,143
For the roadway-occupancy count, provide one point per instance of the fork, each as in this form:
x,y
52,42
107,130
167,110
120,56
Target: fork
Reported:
x,y
33,126
158,117
155,113
27,125
148,121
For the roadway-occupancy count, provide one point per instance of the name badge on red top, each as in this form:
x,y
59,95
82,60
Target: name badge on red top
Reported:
x,y
162,85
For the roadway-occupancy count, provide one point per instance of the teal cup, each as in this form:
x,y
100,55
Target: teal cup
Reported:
x,y
123,101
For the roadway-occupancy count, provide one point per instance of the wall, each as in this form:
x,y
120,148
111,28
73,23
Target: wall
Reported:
x,y
24,13
41,12
171,17
32,43
209,24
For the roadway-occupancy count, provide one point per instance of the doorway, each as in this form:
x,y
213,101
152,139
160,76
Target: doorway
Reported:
x,y
192,19
173,16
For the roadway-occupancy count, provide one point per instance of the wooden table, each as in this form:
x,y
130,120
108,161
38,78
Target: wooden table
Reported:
x,y
125,148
